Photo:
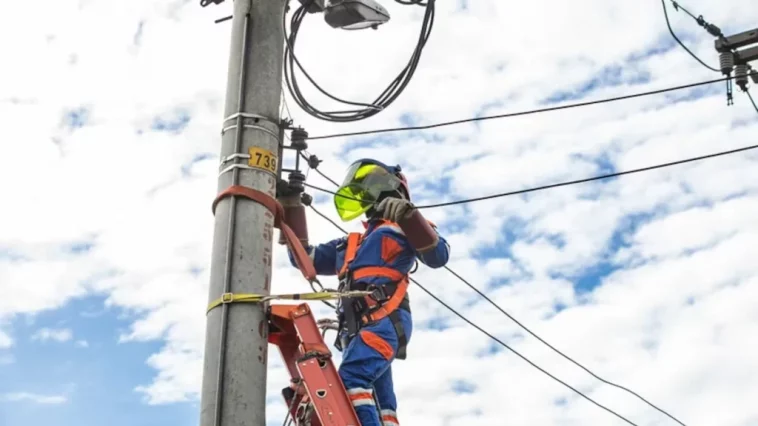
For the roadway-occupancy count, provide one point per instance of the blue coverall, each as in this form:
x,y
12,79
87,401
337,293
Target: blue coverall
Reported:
x,y
366,362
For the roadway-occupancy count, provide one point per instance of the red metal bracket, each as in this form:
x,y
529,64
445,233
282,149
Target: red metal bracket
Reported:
x,y
294,330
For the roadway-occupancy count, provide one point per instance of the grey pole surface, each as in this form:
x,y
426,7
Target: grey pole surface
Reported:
x,y
236,340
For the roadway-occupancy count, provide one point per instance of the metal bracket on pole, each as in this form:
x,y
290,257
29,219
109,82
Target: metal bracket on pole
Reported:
x,y
296,178
298,144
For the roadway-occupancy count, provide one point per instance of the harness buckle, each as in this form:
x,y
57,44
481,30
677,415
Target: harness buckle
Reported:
x,y
378,294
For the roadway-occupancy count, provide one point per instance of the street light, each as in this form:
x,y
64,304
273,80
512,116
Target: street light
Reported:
x,y
355,14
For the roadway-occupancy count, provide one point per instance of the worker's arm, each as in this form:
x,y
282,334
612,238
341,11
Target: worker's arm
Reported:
x,y
437,255
324,256
421,234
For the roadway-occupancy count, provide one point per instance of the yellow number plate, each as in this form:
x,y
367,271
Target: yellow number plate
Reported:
x,y
262,159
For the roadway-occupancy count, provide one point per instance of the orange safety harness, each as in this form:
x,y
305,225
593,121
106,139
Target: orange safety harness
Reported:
x,y
378,305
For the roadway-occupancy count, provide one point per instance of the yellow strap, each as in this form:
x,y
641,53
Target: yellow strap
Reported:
x,y
259,298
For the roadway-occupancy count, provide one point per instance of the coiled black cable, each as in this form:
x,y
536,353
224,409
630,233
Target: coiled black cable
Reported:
x,y
364,110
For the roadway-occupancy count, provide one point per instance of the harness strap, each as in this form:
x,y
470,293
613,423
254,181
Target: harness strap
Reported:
x,y
382,271
304,262
402,338
353,242
383,310
377,309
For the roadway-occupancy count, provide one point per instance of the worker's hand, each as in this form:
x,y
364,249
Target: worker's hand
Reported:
x,y
395,209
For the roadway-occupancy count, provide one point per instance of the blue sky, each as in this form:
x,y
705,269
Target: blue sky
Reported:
x,y
98,381
109,240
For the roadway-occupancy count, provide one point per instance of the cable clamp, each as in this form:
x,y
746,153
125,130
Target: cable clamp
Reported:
x,y
242,166
253,126
249,115
233,157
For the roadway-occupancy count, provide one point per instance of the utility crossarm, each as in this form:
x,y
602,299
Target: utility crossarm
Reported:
x,y
745,56
736,41
735,56
317,396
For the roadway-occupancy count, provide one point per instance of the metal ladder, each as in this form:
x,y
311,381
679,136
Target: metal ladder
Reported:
x,y
316,395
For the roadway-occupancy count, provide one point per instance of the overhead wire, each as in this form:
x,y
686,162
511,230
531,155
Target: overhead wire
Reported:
x,y
322,174
556,350
565,183
525,328
491,336
520,113
700,20
366,110
752,101
285,104
673,34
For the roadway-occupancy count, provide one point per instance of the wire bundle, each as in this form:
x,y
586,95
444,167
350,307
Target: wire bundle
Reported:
x,y
393,90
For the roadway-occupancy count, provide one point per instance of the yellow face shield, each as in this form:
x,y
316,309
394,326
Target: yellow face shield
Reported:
x,y
363,184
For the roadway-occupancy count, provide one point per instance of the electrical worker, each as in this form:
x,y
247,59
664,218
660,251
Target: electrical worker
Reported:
x,y
375,330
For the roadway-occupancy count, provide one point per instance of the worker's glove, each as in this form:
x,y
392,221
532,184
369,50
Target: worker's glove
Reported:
x,y
395,209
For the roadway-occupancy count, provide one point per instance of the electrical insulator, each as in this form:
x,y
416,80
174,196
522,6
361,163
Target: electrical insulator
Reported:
x,y
754,76
740,76
726,60
313,161
306,199
298,139
713,30
296,181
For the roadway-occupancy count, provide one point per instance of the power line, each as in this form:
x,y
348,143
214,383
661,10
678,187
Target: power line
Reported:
x,y
461,316
752,101
521,113
322,174
711,28
525,328
504,312
285,105
567,183
700,21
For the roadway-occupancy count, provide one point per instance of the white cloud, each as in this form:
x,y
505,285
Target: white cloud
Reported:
x,y
34,398
5,340
57,335
82,343
670,252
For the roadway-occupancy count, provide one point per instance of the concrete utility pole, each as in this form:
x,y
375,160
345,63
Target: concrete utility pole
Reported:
x,y
236,340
